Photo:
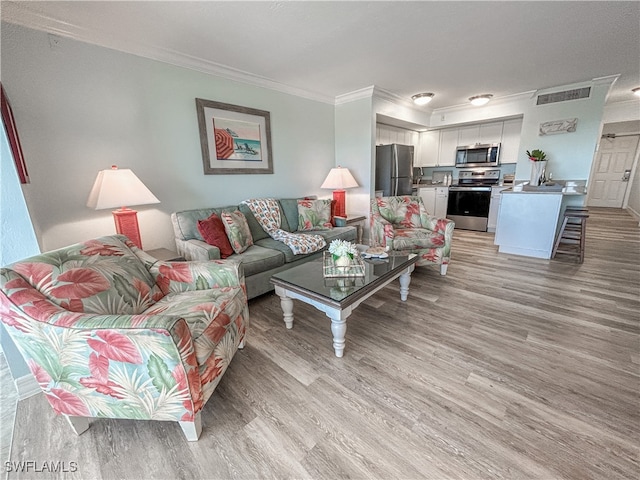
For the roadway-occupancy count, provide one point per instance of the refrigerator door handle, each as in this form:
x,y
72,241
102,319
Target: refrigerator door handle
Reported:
x,y
396,169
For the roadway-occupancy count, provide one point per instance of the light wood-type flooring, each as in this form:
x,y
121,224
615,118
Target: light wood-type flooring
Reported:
x,y
507,368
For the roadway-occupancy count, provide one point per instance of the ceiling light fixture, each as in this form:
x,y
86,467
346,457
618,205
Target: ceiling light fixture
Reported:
x,y
422,98
480,100
636,91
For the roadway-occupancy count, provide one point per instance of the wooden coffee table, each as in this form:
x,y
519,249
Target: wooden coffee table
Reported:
x,y
338,297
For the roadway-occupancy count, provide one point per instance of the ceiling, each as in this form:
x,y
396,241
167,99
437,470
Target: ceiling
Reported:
x,y
326,49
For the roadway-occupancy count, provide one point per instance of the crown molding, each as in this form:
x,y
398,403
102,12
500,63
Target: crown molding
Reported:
x,y
366,92
608,80
383,94
27,18
517,97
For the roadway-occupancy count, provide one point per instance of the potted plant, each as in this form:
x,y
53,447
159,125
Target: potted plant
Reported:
x,y
539,159
536,155
342,252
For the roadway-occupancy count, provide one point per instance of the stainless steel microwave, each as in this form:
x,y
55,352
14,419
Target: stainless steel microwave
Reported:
x,y
487,155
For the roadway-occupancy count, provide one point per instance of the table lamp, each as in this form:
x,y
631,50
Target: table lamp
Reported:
x,y
116,188
339,179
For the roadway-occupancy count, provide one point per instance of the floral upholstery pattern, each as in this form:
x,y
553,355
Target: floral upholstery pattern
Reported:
x,y
237,229
403,224
314,215
109,331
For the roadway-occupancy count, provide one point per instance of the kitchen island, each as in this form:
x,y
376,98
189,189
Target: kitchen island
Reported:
x,y
529,219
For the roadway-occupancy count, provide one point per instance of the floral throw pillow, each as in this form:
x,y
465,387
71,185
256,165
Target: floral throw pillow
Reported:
x,y
314,215
237,229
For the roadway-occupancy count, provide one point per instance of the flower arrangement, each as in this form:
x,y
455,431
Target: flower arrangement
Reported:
x,y
342,248
536,155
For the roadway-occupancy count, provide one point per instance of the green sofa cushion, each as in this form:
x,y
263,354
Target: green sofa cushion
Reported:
x,y
187,221
256,258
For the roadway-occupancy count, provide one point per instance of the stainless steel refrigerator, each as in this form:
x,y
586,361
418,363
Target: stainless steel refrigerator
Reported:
x,y
394,169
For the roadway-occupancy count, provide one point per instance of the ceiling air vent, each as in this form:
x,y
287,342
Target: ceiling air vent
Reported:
x,y
556,97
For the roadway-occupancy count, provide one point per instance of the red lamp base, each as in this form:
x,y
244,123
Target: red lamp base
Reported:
x,y
340,209
126,221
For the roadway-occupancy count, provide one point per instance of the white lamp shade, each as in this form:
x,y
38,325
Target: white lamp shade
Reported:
x,y
118,188
338,179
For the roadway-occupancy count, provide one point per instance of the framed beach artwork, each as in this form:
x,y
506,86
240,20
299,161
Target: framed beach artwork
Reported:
x,y
234,139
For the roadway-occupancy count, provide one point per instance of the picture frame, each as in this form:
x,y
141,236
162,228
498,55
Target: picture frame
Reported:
x,y
13,138
567,125
234,139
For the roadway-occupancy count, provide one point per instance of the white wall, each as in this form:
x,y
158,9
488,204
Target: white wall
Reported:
x,y
569,155
80,108
17,239
355,147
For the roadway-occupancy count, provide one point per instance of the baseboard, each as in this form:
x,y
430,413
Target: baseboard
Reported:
x,y
27,386
633,212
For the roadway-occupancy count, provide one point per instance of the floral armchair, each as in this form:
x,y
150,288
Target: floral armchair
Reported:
x,y
403,224
109,331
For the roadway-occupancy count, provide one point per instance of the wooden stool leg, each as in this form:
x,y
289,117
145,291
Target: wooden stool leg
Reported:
x,y
555,247
583,235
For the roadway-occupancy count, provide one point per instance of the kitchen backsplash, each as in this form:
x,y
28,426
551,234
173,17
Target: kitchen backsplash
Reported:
x,y
427,172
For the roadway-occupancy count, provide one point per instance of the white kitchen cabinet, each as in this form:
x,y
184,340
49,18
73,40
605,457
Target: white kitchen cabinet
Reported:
x,y
491,132
435,200
442,199
428,151
468,135
510,141
428,195
494,206
482,133
438,147
386,134
448,145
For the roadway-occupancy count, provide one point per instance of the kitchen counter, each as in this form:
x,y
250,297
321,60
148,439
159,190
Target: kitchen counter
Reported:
x,y
427,185
575,187
528,220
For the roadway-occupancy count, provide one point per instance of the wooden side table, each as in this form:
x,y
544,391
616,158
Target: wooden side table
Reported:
x,y
165,255
357,220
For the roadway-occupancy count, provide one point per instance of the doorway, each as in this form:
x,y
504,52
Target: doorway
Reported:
x,y
612,170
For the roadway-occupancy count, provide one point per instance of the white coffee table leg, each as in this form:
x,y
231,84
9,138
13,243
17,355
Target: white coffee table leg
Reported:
x,y
287,308
339,330
405,279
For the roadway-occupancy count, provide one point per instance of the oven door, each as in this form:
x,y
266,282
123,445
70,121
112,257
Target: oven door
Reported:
x,y
468,207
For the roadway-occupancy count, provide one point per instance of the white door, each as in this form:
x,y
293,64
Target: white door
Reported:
x,y
611,171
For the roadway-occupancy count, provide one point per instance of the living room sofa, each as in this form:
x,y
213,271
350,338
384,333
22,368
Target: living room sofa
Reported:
x,y
266,256
109,331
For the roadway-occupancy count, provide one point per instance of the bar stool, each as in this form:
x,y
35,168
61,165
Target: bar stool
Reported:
x,y
572,235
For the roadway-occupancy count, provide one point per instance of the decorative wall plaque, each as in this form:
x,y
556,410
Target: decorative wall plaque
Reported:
x,y
558,126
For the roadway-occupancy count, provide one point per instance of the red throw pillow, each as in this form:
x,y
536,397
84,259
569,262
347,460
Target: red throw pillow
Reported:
x,y
213,232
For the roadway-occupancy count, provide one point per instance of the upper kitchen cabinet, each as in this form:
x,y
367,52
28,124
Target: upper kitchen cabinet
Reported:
x,y
429,149
482,133
510,140
438,147
387,134
448,144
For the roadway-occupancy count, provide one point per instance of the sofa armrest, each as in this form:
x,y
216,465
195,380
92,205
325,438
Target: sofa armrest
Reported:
x,y
173,277
443,226
197,250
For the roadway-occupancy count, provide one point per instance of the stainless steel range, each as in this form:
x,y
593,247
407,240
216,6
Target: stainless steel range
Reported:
x,y
469,200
